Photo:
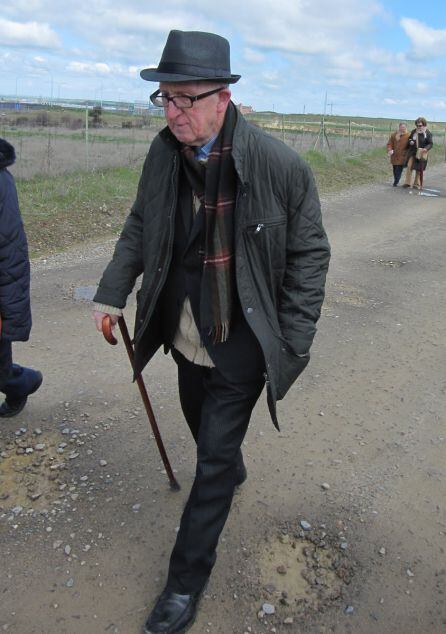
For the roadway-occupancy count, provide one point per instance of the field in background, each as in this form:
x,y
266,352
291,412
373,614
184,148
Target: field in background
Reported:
x,y
57,141
77,177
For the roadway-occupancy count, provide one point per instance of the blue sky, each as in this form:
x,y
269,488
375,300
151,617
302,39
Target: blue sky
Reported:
x,y
371,58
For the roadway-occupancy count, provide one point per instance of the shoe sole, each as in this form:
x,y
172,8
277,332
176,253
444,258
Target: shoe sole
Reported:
x,y
13,412
182,631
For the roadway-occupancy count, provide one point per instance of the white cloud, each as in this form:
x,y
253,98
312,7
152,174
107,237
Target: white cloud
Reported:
x,y
426,41
28,34
291,51
302,26
253,57
101,69
89,68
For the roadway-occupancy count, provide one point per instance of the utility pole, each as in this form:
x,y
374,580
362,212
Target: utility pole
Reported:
x,y
86,137
323,123
322,134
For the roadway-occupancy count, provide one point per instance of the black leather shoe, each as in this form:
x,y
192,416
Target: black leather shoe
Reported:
x,y
173,613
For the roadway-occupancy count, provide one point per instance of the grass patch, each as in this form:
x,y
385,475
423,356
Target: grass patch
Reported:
x,y
61,211
334,172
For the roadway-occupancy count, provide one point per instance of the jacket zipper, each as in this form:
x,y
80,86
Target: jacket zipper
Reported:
x,y
259,226
164,268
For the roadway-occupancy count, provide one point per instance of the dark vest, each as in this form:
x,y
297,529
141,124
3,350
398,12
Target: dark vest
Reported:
x,y
240,358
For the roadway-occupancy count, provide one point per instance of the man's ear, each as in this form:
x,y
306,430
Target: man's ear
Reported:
x,y
224,97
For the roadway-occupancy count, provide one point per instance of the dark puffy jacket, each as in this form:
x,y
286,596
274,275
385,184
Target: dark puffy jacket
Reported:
x,y
15,308
424,140
281,250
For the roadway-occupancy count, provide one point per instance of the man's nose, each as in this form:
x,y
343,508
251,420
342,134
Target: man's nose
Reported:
x,y
171,109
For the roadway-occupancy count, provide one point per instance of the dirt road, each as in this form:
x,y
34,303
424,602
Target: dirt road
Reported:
x,y
87,519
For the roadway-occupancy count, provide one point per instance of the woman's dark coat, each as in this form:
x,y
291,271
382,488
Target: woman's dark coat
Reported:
x,y
424,141
281,250
15,310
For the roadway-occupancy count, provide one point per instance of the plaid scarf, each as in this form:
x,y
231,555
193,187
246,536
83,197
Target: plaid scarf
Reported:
x,y
215,186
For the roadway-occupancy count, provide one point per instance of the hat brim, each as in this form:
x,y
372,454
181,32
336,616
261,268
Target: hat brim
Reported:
x,y
152,74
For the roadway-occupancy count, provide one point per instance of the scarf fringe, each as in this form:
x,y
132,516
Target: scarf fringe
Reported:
x,y
219,333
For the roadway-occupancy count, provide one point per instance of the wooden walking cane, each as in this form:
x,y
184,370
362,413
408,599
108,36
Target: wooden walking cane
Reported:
x,y
109,336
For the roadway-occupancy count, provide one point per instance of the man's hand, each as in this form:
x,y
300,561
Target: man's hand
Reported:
x,y
99,317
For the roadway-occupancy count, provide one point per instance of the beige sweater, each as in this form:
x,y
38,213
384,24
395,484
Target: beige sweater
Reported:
x,y
187,338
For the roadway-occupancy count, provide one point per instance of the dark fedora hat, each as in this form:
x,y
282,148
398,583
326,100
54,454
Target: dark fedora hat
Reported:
x,y
193,56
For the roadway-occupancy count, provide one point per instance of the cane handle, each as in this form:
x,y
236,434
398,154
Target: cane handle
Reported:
x,y
107,331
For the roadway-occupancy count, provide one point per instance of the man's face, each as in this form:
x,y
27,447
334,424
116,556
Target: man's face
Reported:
x,y
196,125
403,128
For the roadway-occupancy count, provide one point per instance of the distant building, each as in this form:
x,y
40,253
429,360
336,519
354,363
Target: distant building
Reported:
x,y
245,109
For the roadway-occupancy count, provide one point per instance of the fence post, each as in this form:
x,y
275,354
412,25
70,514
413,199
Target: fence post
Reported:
x,y
444,144
349,133
86,136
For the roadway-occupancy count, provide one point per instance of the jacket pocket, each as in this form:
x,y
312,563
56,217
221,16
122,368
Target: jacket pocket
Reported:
x,y
265,241
291,366
255,227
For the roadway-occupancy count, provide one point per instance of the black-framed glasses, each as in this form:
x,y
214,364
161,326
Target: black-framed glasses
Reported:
x,y
180,101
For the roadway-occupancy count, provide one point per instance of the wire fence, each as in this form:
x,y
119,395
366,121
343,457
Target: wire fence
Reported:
x,y
338,135
57,142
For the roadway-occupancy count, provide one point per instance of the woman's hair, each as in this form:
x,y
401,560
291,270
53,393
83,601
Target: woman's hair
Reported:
x,y
421,120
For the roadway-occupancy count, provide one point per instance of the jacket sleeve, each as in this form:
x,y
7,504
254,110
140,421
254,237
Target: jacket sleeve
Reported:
x,y
307,258
429,141
15,308
127,264
391,143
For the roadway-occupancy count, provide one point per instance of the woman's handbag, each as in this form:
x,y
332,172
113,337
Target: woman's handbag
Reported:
x,y
421,154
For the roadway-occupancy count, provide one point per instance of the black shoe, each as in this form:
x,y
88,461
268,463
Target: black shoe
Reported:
x,y
240,471
395,184
12,406
173,613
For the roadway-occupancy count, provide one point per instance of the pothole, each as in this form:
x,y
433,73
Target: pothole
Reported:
x,y
340,293
33,470
303,572
394,264
84,293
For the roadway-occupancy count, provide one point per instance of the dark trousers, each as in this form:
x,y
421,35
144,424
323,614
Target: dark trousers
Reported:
x,y
5,363
217,412
397,171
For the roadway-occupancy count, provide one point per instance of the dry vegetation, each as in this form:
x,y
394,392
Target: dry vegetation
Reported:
x,y
77,183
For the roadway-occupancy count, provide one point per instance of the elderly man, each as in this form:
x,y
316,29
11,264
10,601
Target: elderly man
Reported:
x,y
226,230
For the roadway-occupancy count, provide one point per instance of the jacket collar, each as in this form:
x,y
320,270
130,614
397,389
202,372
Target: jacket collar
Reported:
x,y
239,143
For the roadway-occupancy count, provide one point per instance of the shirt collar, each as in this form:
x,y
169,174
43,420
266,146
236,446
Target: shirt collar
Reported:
x,y
202,152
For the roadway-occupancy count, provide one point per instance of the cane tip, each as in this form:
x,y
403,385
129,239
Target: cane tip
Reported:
x,y
174,486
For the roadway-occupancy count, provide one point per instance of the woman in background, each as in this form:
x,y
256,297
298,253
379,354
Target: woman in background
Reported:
x,y
420,142
397,151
